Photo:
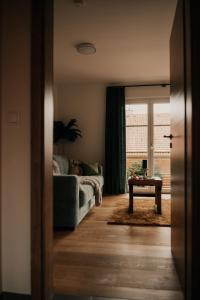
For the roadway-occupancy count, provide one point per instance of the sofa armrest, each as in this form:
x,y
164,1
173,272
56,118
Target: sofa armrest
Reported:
x,y
66,200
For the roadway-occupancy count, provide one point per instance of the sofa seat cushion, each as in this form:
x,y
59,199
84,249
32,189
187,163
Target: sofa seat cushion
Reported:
x,y
86,193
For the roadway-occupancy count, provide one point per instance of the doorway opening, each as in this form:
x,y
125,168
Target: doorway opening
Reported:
x,y
97,258
40,270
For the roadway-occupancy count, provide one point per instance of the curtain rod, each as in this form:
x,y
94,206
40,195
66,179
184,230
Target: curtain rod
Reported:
x,y
139,85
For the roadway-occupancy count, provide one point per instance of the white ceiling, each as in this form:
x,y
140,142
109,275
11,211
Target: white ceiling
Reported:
x,y
131,37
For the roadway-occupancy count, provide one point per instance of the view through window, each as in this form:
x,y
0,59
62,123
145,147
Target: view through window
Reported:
x,y
146,125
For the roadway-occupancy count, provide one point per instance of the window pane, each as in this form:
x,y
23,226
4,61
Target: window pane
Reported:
x,y
161,145
162,169
136,139
161,114
136,114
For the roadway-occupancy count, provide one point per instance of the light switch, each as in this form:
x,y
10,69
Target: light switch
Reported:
x,y
13,118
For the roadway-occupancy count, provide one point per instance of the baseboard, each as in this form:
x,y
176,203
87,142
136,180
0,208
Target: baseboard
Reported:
x,y
12,296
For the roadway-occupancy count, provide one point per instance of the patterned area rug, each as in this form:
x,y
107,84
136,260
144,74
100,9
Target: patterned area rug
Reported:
x,y
144,213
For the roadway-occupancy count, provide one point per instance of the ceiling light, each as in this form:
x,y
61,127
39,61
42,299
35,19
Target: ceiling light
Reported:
x,y
79,3
86,48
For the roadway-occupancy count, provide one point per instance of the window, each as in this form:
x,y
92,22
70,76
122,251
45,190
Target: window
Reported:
x,y
146,124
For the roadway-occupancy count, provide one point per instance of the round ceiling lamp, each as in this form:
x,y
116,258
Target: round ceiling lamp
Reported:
x,y
79,3
86,48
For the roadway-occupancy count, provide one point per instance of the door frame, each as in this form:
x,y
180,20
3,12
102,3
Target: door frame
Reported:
x,y
41,149
41,179
0,149
192,67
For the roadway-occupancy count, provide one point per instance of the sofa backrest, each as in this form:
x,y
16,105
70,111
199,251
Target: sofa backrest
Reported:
x,y
63,164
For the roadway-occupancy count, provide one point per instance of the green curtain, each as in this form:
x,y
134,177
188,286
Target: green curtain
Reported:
x,y
115,141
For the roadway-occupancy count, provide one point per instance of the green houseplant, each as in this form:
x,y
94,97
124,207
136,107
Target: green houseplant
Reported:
x,y
135,169
68,132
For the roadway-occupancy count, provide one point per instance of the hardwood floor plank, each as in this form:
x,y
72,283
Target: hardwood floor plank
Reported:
x,y
130,293
87,275
112,233
114,261
110,248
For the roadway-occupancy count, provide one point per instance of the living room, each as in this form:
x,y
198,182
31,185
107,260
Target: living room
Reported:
x,y
26,171
100,46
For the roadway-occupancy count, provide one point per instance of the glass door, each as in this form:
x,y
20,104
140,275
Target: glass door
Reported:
x,y
161,145
136,137
147,121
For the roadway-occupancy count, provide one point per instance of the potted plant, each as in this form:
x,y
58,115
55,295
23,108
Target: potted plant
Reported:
x,y
68,132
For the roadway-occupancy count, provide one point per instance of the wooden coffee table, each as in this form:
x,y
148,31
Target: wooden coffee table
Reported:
x,y
154,181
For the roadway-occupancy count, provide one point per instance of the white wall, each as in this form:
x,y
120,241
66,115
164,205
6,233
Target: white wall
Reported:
x,y
87,104
15,185
147,92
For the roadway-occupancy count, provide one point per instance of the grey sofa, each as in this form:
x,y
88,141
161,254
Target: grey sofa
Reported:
x,y
71,200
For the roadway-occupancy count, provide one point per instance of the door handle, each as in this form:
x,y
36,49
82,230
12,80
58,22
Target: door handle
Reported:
x,y
169,136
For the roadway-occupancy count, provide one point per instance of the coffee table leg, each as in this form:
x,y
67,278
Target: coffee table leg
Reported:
x,y
130,209
158,199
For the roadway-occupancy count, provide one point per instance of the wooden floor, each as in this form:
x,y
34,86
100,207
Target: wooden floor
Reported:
x,y
115,261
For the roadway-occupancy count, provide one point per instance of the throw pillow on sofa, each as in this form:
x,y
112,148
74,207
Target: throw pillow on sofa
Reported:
x,y
75,167
90,169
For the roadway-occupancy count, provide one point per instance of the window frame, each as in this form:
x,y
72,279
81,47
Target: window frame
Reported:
x,y
150,101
